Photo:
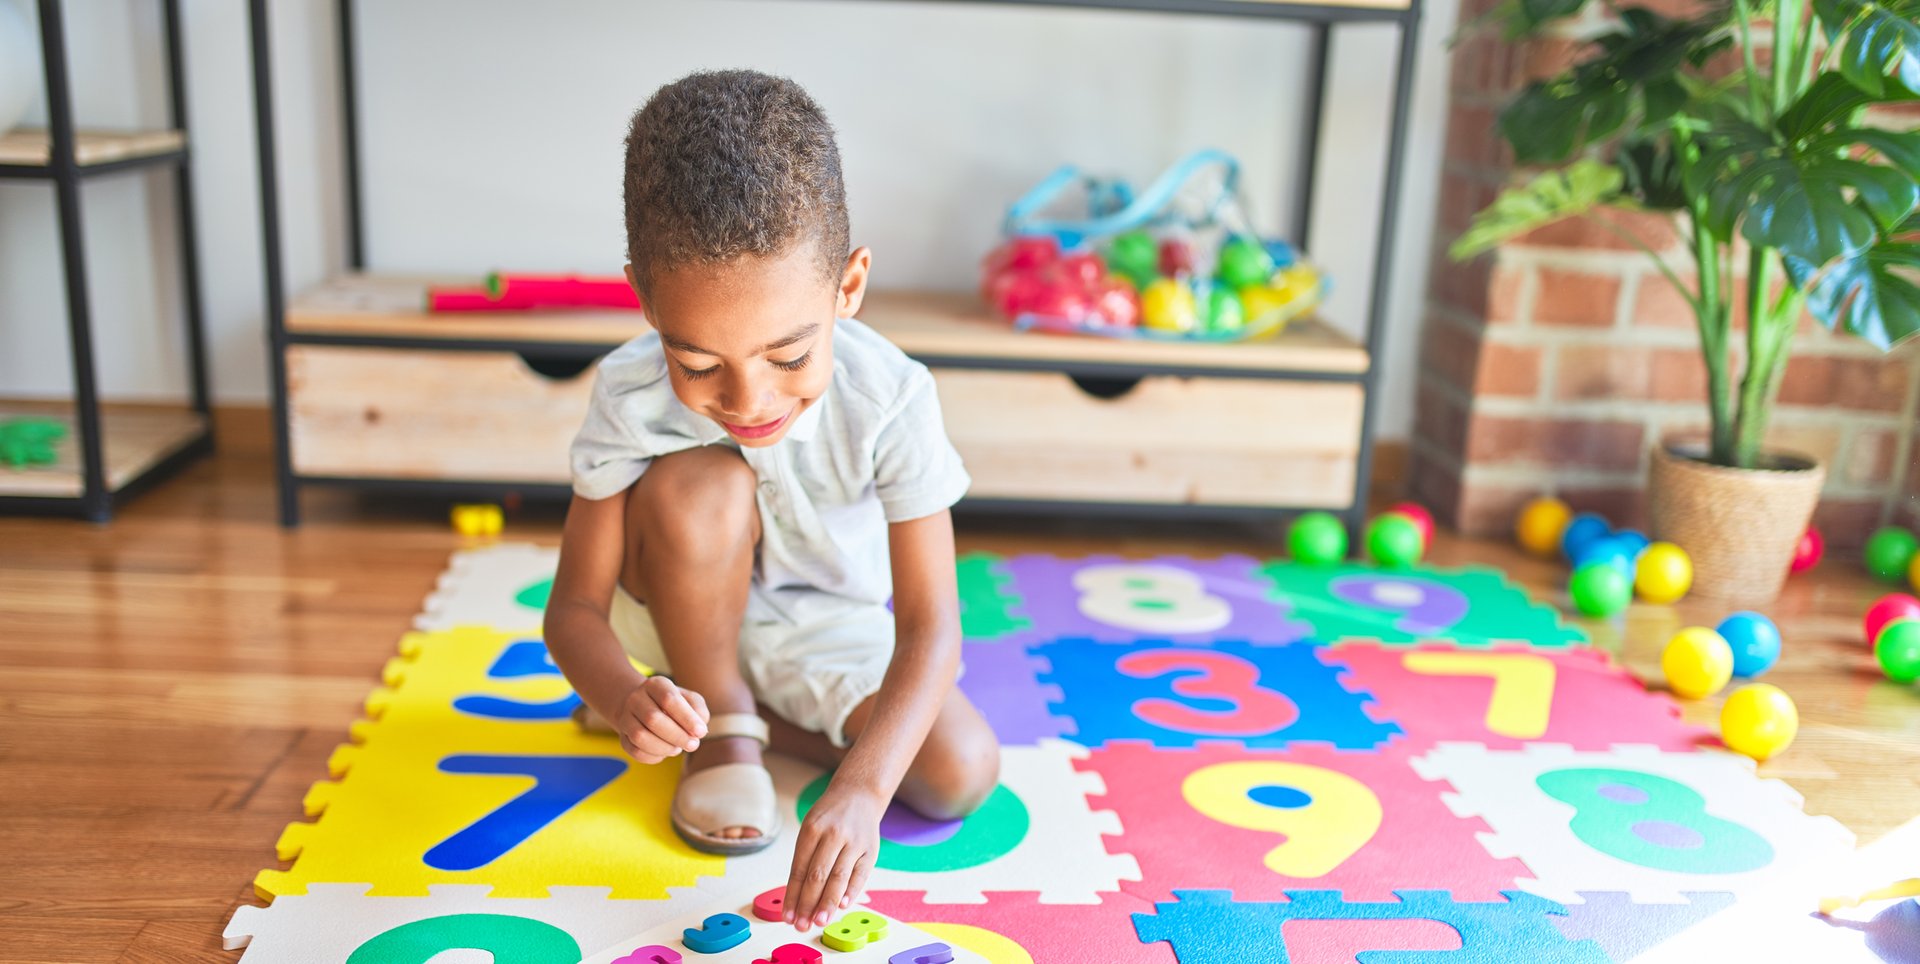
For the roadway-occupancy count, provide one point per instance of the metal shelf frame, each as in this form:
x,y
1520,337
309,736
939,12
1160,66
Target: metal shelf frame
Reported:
x,y
98,500
1319,18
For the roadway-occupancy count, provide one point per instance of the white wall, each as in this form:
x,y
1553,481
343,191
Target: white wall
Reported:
x,y
492,134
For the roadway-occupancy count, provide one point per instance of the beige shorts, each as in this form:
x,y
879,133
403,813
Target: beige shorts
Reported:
x,y
812,676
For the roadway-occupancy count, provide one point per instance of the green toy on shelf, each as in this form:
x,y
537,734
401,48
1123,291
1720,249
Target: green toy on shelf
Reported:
x,y
30,441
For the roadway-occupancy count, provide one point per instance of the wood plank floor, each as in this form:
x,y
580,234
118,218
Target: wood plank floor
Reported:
x,y
171,684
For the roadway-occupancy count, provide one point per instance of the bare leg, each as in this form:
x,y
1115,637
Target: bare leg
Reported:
x,y
956,768
695,526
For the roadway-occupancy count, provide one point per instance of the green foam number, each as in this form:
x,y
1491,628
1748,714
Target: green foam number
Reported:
x,y
986,607
535,595
1654,822
991,833
511,940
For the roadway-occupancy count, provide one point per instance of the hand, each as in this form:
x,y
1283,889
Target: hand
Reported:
x,y
833,855
657,720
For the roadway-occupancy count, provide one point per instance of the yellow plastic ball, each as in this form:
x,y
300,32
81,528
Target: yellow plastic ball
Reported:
x,y
1167,305
1258,302
1664,573
1698,662
1758,721
1913,572
1541,524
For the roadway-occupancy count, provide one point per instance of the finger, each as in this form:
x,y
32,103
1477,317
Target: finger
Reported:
x,y
649,744
680,709
858,885
803,849
637,753
699,706
836,887
663,726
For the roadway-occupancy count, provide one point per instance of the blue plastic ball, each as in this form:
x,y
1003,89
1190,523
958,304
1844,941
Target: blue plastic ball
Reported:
x,y
1635,541
1585,528
1611,550
1755,641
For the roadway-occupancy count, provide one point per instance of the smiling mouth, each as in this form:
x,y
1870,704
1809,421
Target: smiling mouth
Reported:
x,y
761,430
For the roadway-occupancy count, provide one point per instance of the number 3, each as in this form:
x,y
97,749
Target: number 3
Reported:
x,y
1252,709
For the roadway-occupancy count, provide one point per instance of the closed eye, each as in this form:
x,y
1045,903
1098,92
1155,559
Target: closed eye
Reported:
x,y
695,374
794,365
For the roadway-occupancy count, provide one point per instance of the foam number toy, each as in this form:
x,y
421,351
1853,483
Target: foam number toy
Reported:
x,y
560,782
854,931
792,954
1653,822
505,937
1522,686
1151,599
1424,607
520,660
771,905
1326,816
924,954
477,520
652,954
1252,710
717,933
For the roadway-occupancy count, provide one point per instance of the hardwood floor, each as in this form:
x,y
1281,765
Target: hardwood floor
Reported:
x,y
170,685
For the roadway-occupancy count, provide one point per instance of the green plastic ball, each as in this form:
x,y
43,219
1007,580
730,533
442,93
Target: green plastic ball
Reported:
x,y
1889,551
1317,539
1393,540
1134,255
1243,262
1600,589
1898,650
1223,315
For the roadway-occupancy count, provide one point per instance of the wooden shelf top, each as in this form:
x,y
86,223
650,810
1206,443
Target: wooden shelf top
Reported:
x,y
925,324
34,148
137,437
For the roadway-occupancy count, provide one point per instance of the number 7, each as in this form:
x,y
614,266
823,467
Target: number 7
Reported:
x,y
559,784
1522,686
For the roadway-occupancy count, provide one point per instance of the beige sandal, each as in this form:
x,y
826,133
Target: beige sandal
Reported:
x,y
728,795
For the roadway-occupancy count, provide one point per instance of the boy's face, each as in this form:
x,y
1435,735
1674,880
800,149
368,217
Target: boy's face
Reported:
x,y
750,344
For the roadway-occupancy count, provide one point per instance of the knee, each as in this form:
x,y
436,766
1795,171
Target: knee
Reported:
x,y
698,501
956,774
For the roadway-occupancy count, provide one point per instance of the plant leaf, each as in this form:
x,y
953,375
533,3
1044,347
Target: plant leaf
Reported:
x,y
1548,197
1651,175
1878,39
1874,294
1831,99
1799,197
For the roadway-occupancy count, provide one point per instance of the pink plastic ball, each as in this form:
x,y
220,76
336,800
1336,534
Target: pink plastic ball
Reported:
x,y
1422,520
1892,606
1812,546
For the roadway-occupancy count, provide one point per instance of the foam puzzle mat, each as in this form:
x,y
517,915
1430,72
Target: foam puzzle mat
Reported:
x,y
1209,761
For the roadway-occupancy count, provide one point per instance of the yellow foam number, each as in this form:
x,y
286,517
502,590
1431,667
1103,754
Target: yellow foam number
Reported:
x,y
1325,815
1154,599
1522,686
854,931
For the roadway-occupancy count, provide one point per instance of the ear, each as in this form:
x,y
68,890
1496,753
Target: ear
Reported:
x,y
634,283
853,283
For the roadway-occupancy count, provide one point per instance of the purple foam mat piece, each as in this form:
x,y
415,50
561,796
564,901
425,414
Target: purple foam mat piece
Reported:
x,y
1045,585
1626,930
1002,681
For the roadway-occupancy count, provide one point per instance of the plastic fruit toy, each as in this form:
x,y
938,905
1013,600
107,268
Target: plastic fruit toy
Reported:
x,y
1167,305
1698,662
478,519
1243,262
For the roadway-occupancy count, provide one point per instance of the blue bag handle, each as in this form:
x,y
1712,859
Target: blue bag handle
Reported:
x,y
1132,212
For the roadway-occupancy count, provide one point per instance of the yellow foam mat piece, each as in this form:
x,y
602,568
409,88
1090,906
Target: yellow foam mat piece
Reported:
x,y
393,803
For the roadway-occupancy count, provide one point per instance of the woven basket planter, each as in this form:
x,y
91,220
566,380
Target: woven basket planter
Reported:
x,y
1740,526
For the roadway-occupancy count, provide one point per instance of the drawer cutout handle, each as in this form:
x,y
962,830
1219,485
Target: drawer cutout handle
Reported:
x,y
1105,387
561,368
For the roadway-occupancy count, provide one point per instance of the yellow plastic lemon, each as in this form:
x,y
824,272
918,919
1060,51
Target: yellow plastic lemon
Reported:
x,y
1759,721
1664,573
1541,524
1167,305
1697,661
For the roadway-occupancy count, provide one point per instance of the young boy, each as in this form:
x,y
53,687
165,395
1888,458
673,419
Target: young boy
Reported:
x,y
755,478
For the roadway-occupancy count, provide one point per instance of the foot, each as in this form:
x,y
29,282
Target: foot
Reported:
x,y
714,751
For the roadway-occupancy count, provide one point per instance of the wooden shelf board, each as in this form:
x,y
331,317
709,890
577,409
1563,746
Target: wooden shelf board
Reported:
x,y
137,437
925,324
31,147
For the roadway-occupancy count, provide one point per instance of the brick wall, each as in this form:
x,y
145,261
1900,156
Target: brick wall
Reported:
x,y
1555,362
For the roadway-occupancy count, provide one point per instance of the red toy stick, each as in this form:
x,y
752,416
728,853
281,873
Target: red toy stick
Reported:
x,y
509,292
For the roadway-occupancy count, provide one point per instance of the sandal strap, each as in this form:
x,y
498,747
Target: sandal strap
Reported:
x,y
728,795
748,725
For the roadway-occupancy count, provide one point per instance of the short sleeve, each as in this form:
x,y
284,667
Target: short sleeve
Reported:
x,y
916,470
606,457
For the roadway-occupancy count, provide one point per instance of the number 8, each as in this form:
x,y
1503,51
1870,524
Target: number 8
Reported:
x,y
1148,598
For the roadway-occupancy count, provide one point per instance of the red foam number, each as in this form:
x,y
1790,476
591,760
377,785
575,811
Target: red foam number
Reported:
x,y
792,954
771,905
1256,711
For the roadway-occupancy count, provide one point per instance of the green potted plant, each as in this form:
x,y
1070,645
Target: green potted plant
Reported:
x,y
1791,203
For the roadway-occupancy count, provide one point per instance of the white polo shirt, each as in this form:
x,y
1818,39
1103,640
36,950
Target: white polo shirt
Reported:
x,y
871,451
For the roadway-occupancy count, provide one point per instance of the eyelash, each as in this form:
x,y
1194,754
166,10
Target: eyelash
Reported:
x,y
695,374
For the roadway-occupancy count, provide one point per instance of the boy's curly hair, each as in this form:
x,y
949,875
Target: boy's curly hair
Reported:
x,y
728,163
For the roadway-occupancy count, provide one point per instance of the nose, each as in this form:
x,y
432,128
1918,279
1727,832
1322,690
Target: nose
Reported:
x,y
744,398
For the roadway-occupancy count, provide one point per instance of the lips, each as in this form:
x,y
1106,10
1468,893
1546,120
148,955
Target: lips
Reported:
x,y
761,430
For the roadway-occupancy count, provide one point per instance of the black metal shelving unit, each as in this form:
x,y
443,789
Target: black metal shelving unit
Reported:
x,y
1320,18
99,494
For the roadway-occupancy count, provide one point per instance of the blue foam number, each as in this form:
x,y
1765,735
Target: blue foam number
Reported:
x,y
521,658
717,933
559,784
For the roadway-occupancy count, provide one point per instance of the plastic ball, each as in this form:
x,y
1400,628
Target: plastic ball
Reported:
x,y
1176,257
1808,552
1541,524
1755,641
1223,313
1134,255
1913,573
1244,261
1167,305
1697,661
1024,253
1635,542
1117,304
1663,574
1420,516
1886,609
1317,539
1758,721
1083,268
1612,550
1898,650
1585,527
1393,540
1258,302
1600,589
1889,552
